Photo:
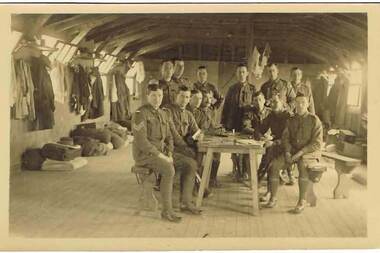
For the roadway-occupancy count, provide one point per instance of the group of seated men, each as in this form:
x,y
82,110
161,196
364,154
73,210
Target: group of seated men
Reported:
x,y
178,113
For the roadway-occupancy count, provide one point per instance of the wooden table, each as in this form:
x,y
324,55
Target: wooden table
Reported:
x,y
232,144
343,166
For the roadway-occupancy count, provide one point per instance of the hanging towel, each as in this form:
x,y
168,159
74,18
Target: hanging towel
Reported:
x,y
113,90
58,82
140,74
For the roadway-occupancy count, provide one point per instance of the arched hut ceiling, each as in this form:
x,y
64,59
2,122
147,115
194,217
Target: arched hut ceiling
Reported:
x,y
293,37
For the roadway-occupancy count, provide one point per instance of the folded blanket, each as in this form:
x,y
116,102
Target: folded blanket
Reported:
x,y
54,165
60,152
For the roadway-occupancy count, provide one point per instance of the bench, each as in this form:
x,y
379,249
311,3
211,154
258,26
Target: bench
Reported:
x,y
343,166
146,179
315,174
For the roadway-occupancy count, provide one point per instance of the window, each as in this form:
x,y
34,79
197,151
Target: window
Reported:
x,y
354,94
354,89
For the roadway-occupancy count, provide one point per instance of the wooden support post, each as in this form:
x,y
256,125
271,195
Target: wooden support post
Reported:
x,y
199,51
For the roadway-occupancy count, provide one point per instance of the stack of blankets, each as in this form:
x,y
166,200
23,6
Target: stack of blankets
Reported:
x,y
62,156
68,153
96,142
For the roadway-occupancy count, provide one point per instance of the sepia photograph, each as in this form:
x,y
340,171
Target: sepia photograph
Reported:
x,y
188,124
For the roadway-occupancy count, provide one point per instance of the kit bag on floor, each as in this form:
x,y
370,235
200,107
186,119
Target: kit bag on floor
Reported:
x,y
32,159
60,152
98,134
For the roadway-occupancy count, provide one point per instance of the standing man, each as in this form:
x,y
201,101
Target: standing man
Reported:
x,y
239,100
303,87
302,143
168,86
179,68
203,85
277,86
183,125
153,146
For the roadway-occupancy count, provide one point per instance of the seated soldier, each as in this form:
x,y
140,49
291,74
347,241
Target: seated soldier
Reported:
x,y
276,123
153,146
301,142
205,118
183,125
252,121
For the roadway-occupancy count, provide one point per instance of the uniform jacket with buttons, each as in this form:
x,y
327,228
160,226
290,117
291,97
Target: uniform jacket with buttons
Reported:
x,y
276,122
204,117
151,132
281,88
254,119
209,87
239,99
303,133
184,121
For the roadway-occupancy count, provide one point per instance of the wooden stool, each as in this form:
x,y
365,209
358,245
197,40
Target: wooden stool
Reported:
x,y
343,166
147,180
315,173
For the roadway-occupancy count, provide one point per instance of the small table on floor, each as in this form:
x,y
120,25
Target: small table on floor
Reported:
x,y
343,166
237,145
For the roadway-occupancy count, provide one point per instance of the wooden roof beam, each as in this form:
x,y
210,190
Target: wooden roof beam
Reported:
x,y
91,24
74,21
139,36
158,46
112,28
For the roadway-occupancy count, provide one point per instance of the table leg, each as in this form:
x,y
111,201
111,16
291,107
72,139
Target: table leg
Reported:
x,y
341,189
205,176
253,158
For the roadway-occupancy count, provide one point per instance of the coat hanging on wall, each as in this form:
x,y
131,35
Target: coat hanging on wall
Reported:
x,y
119,94
43,94
96,109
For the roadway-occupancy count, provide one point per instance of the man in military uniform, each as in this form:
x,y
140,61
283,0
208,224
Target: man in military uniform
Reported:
x,y
252,122
276,122
302,142
179,68
153,146
195,101
277,86
182,124
204,116
203,85
300,86
254,118
239,99
167,84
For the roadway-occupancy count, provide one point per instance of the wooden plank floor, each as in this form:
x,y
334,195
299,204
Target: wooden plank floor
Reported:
x,y
100,200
